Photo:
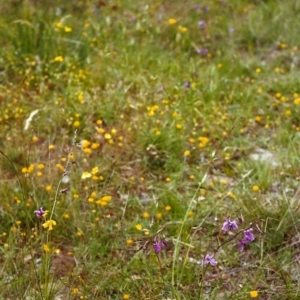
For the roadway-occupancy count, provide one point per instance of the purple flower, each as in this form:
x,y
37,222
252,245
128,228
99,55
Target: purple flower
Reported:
x,y
205,9
209,259
242,244
202,24
229,225
202,51
39,213
158,245
248,237
187,85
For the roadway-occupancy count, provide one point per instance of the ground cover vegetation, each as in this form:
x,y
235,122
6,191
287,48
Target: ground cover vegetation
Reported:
x,y
149,149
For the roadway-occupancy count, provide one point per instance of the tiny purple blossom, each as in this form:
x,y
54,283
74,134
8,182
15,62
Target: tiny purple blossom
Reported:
x,y
158,245
248,237
187,85
40,212
209,259
202,51
205,9
241,245
202,24
229,225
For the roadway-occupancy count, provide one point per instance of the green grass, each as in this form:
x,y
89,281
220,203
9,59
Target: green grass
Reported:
x,y
130,124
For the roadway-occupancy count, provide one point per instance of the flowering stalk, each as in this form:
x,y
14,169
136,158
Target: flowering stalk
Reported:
x,y
245,241
64,174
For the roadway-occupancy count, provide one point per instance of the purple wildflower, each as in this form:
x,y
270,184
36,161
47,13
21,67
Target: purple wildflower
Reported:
x,y
202,51
229,225
187,85
242,245
40,212
209,259
248,237
158,245
202,24
205,9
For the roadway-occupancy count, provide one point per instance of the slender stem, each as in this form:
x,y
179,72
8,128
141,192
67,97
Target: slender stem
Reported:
x,y
64,174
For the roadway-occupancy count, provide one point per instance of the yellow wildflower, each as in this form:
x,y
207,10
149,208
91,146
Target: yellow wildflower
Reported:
x,y
68,29
172,21
253,294
60,167
46,248
107,136
106,198
182,29
49,224
146,215
138,226
59,24
187,153
76,124
95,170
86,175
59,59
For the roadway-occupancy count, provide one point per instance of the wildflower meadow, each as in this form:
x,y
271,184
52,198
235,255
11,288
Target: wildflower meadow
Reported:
x,y
149,149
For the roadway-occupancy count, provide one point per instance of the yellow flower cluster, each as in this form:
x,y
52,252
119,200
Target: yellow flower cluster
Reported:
x,y
88,147
151,110
28,170
180,28
108,136
60,25
103,201
92,174
203,141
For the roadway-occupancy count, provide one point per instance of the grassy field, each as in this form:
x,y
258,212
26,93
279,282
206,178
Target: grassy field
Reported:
x,y
149,149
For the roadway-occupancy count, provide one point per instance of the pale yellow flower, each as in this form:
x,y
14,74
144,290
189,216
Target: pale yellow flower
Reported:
x,y
86,175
